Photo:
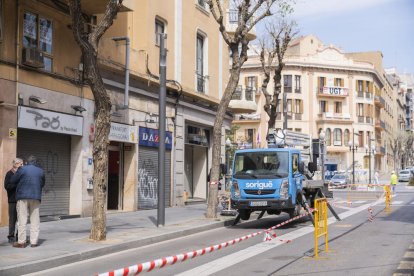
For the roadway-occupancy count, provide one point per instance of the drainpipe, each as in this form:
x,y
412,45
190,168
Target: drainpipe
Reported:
x,y
17,51
126,91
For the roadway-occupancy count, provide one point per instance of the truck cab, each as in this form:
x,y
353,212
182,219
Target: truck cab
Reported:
x,y
267,179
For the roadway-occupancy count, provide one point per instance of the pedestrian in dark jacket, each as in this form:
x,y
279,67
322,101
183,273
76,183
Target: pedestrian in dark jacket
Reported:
x,y
30,180
11,198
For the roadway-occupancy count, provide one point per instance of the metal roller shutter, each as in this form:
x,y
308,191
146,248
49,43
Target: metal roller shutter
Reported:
x,y
53,153
148,178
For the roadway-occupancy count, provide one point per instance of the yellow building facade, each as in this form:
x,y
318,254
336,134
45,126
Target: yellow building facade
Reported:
x,y
47,110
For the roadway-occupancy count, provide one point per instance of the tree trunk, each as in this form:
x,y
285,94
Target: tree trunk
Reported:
x,y
215,167
100,147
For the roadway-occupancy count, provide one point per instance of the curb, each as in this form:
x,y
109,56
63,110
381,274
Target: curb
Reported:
x,y
35,266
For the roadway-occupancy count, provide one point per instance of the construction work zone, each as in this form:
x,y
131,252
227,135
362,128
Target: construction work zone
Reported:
x,y
162,262
357,192
321,224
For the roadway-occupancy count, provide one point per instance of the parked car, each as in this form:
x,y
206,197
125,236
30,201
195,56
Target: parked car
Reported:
x,y
339,181
404,175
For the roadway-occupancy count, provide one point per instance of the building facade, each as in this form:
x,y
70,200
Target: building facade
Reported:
x,y
47,110
343,94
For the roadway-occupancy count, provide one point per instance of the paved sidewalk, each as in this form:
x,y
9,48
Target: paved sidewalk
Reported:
x,y
66,241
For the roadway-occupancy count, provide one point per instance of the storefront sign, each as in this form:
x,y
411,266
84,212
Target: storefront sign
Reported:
x,y
338,91
149,137
123,133
39,119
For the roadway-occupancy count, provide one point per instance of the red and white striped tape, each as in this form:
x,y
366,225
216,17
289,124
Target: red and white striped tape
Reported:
x,y
159,263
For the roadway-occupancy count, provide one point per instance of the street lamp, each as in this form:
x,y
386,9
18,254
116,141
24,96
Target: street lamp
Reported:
x,y
353,146
322,153
368,150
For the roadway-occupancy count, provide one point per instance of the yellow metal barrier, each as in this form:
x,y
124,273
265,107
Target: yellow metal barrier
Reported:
x,y
388,198
321,223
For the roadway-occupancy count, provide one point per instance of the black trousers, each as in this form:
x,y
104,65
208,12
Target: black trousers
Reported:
x,y
12,219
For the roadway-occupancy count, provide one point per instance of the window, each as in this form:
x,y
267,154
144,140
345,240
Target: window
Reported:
x,y
367,86
361,139
346,137
322,107
287,83
200,63
338,107
337,137
328,136
250,136
251,83
289,105
278,105
360,110
297,84
338,82
159,29
202,3
298,107
38,34
321,82
359,85
295,163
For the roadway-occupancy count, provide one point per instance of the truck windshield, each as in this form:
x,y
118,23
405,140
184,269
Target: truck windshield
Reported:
x,y
267,165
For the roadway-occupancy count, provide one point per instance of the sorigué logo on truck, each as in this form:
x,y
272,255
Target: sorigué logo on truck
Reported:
x,y
259,185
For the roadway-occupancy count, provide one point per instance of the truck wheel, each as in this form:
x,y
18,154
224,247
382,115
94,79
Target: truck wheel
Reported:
x,y
296,211
244,214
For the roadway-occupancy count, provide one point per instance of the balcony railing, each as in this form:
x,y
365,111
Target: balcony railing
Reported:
x,y
298,116
368,95
287,89
380,124
243,100
200,83
334,116
368,120
360,119
378,100
360,94
298,90
237,95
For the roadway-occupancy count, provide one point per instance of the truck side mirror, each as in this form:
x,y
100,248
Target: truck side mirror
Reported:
x,y
301,167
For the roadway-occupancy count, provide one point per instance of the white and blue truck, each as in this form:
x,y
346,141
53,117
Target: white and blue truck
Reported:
x,y
278,178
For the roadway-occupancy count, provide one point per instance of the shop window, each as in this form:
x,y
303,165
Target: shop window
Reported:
x,y
198,136
38,34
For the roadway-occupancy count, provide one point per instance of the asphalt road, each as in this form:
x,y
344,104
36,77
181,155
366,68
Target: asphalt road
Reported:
x,y
358,246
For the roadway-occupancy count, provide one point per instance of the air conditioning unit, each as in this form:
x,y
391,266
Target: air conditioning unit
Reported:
x,y
32,57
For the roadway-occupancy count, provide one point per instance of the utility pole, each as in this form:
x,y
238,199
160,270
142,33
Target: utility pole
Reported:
x,y
161,131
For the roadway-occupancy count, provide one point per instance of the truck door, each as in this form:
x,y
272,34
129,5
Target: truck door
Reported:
x,y
296,176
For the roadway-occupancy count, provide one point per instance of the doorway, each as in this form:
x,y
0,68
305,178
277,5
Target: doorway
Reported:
x,y
115,179
196,171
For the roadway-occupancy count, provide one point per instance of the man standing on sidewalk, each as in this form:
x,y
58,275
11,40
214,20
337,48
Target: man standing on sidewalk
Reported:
x,y
30,180
11,198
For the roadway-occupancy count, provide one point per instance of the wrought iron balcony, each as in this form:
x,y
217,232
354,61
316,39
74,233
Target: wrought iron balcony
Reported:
x,y
379,101
335,117
201,83
243,100
379,124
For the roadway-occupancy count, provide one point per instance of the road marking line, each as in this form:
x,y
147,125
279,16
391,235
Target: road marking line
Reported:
x,y
412,203
242,255
409,254
359,201
406,265
398,202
